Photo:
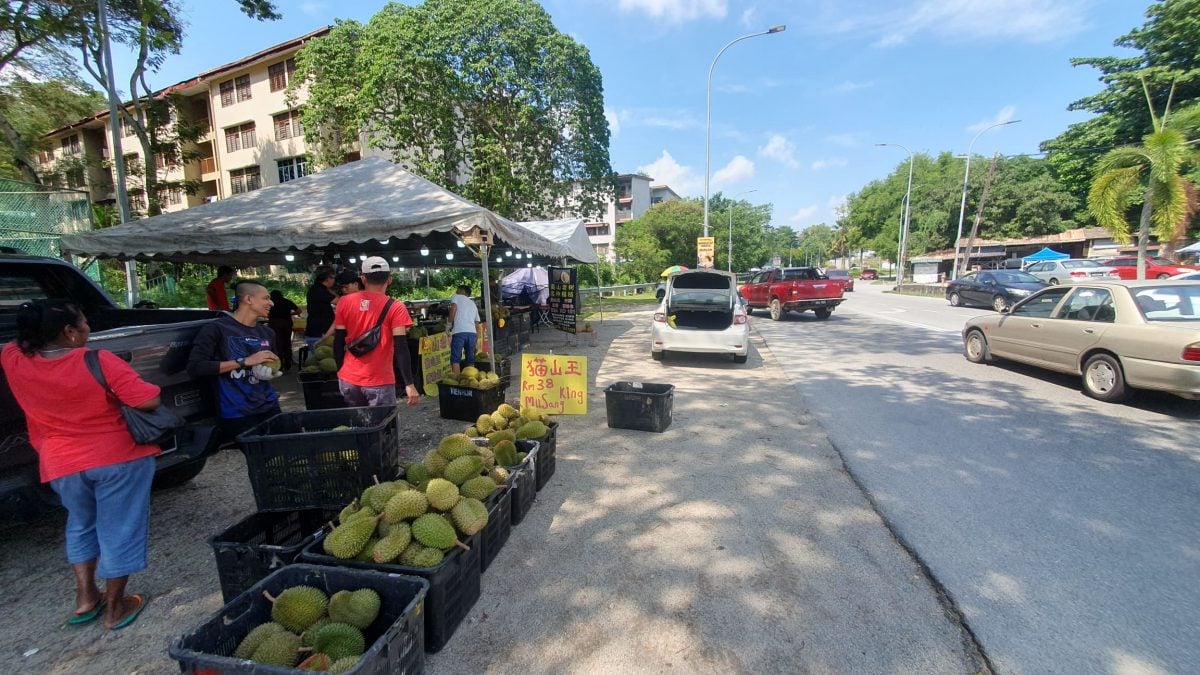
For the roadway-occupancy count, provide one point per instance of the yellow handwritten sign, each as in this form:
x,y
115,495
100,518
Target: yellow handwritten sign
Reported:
x,y
434,352
554,384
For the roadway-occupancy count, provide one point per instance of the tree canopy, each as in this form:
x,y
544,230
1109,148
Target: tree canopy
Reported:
x,y
485,97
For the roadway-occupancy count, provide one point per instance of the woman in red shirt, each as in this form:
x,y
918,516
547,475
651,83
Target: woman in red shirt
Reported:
x,y
86,454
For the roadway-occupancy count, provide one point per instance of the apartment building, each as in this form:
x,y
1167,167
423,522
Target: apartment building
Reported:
x,y
634,195
250,136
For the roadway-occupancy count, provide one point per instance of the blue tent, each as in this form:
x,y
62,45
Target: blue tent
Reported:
x,y
1046,254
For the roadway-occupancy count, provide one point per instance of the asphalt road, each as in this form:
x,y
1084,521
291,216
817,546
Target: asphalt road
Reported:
x,y
1066,530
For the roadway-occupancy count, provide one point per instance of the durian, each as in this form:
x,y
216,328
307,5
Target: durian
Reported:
x,y
297,608
470,516
442,494
434,531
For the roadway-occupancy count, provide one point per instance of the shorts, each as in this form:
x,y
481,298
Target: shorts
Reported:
x,y
459,342
108,516
358,397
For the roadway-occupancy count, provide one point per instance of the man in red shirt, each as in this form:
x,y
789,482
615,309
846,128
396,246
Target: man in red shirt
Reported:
x,y
217,291
370,379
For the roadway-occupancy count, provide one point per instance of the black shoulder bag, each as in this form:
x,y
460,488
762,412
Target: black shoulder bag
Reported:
x,y
152,427
363,344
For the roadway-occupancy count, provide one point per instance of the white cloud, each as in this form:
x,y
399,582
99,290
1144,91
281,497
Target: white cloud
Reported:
x,y
781,149
847,140
805,214
750,16
614,121
313,7
666,171
961,20
836,205
737,170
849,86
677,11
831,163
1006,114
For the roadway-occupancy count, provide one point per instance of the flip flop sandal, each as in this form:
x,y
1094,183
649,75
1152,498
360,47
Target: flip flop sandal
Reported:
x,y
124,623
88,616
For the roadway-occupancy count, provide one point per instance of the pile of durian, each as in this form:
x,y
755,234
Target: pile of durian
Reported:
x,y
525,424
326,632
472,377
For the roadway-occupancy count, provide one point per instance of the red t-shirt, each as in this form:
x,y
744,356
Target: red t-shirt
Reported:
x,y
358,312
73,424
218,297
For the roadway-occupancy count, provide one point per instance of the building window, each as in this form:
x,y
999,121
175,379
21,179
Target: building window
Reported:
x,y
172,197
243,88
163,161
292,168
137,201
281,73
70,145
240,137
45,156
245,180
226,93
287,125
238,88
127,126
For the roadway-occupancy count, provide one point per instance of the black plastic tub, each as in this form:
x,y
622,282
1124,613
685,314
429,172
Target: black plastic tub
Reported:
x,y
642,406
263,542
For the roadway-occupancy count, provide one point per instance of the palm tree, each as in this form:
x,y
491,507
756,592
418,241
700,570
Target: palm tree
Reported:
x,y
1154,173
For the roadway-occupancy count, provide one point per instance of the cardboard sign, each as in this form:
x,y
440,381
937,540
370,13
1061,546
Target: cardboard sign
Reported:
x,y
434,352
564,298
554,384
706,249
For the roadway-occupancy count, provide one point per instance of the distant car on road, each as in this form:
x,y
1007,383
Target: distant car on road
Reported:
x,y
1156,268
1115,334
701,313
1055,272
843,277
998,289
868,274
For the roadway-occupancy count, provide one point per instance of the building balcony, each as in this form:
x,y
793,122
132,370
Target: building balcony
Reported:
x,y
208,165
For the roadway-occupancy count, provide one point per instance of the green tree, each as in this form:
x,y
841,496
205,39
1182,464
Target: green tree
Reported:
x,y
1154,174
485,97
33,108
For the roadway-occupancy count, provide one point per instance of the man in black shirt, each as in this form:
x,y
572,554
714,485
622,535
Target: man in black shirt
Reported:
x,y
320,306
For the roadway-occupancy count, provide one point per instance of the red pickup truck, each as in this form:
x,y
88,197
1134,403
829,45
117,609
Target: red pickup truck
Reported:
x,y
795,289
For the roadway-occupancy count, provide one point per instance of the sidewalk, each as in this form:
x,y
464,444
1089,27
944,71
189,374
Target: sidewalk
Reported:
x,y
733,542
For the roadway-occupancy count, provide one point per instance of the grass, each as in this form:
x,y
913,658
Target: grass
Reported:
x,y
616,304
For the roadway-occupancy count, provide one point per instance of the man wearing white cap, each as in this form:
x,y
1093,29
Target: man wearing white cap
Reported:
x,y
369,344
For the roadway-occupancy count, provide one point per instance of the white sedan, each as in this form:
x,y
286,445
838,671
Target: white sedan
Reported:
x,y
701,313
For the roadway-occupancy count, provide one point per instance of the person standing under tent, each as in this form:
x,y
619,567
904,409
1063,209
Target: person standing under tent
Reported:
x,y
320,299
217,291
279,318
464,317
369,379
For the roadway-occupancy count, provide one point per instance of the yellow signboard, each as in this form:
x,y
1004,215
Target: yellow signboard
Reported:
x,y
554,384
434,351
706,249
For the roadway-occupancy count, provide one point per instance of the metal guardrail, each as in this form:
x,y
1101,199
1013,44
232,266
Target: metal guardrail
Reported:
x,y
617,291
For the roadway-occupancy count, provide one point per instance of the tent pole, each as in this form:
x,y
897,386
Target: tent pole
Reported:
x,y
487,307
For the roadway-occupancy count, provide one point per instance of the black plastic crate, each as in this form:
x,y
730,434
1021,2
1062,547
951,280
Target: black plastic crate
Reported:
x,y
453,586
262,543
296,460
546,462
523,482
467,404
644,406
503,367
396,638
321,391
499,527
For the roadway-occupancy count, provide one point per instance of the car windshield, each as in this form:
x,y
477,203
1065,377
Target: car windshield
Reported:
x,y
1075,264
1015,278
1169,303
837,273
700,296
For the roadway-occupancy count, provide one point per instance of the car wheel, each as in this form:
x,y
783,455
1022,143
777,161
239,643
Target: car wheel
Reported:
x,y
740,358
657,356
1163,276
975,347
776,310
823,312
955,300
1000,303
1103,378
1053,282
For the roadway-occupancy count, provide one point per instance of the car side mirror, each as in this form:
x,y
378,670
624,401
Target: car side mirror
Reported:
x,y
1006,310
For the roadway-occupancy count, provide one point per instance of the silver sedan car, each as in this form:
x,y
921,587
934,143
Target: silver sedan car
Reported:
x,y
1116,334
1055,272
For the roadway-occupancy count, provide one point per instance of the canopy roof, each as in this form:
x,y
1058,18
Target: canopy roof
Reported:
x,y
1046,254
368,207
1194,248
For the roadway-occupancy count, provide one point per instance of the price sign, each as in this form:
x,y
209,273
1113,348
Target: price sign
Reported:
x,y
434,352
554,384
706,248
564,298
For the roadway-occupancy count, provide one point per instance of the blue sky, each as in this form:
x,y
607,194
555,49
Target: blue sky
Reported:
x,y
795,115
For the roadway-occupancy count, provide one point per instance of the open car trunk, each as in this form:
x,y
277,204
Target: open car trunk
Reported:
x,y
702,301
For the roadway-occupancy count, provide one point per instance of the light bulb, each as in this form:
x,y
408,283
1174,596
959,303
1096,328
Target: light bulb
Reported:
x,y
424,250
395,258
449,255
508,253
289,257
354,260
529,264
460,243
499,259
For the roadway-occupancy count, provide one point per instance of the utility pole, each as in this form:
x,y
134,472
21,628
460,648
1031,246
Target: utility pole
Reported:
x,y
987,187
131,281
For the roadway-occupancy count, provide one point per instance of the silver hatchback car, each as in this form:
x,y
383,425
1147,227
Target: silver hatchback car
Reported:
x,y
1055,272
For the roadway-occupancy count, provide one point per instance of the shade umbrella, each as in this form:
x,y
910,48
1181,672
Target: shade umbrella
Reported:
x,y
671,270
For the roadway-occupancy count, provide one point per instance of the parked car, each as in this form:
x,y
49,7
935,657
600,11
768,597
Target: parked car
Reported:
x,y
792,289
701,313
997,289
1055,272
868,274
1116,335
1156,268
843,277
1187,276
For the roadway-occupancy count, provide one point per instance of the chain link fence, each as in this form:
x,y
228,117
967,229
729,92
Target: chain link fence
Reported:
x,y
34,217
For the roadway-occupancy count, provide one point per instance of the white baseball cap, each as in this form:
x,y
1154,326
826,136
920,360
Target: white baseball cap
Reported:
x,y
375,264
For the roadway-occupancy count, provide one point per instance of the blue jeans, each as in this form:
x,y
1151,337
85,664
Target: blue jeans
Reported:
x,y
108,516
358,397
459,342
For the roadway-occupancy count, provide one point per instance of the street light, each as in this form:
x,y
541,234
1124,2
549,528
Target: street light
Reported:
x,y
962,207
731,205
904,214
708,111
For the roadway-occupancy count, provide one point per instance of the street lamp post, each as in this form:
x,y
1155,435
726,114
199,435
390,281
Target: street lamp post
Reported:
x,y
904,214
962,207
708,111
729,260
